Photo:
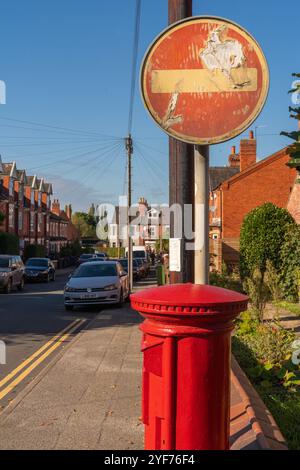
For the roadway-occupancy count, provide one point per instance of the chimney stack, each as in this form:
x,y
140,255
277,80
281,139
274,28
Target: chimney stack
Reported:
x,y
56,207
248,152
69,211
234,158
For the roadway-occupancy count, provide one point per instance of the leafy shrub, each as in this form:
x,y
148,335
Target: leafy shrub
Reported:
x,y
225,279
273,282
258,292
265,350
9,244
262,235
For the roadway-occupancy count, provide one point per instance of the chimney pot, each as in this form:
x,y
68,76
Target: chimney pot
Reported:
x,y
251,135
233,150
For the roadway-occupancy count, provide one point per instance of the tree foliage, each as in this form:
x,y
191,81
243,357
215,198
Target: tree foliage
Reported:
x,y
85,223
262,235
294,149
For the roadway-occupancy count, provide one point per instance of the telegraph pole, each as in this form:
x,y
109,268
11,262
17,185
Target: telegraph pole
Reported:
x,y
129,149
181,169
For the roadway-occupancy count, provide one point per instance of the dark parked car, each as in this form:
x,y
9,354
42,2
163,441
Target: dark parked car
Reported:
x,y
39,269
102,256
135,266
86,257
11,273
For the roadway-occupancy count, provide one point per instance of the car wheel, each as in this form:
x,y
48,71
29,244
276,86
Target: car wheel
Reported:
x,y
21,285
8,287
69,307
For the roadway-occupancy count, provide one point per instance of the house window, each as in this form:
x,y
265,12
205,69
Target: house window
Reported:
x,y
39,222
11,187
32,197
20,220
32,222
21,193
39,198
11,216
152,231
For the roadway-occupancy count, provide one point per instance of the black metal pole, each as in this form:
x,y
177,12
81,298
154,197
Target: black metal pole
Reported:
x,y
181,168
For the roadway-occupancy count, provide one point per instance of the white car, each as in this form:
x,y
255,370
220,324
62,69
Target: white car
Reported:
x,y
96,282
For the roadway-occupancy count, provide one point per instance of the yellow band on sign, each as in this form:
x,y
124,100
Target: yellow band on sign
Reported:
x,y
203,81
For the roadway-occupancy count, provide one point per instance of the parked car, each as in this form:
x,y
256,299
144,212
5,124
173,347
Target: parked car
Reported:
x,y
102,256
39,269
85,257
11,273
135,266
94,283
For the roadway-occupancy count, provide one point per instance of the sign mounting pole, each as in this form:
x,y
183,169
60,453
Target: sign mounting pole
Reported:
x,y
201,214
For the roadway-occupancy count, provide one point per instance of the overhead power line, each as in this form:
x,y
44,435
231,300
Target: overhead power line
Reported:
x,y
134,62
56,128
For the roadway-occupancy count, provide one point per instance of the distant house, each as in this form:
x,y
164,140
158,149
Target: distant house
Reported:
x,y
146,227
25,202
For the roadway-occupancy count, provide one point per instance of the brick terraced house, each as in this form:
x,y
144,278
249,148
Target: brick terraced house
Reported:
x,y
25,202
240,187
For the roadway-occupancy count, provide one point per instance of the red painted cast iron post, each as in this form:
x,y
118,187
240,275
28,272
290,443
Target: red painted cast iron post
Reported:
x,y
186,369
181,166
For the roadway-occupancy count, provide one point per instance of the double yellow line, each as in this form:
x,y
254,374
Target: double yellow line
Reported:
x,y
49,347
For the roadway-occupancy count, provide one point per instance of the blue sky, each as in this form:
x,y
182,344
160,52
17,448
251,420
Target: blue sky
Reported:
x,y
67,64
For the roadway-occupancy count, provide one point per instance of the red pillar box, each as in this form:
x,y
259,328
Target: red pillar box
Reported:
x,y
186,370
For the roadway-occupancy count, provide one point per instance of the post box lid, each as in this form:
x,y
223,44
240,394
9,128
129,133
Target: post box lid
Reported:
x,y
187,295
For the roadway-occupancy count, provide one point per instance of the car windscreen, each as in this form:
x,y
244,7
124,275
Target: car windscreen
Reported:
x,y
37,262
4,263
96,270
86,256
139,254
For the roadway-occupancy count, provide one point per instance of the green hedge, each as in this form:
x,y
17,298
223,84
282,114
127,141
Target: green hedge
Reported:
x,y
114,252
32,251
9,244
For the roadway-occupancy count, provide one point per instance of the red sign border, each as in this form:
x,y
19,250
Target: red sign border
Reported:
x,y
229,135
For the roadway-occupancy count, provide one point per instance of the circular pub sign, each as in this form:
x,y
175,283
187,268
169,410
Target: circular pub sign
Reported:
x,y
204,80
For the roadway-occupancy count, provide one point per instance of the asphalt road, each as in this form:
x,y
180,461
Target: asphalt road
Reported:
x,y
34,327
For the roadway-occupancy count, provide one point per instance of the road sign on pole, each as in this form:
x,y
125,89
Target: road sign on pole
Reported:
x,y
204,80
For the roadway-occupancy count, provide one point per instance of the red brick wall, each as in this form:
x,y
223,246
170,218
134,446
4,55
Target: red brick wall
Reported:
x,y
269,181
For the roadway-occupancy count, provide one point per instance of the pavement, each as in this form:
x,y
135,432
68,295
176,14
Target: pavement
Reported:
x,y
89,396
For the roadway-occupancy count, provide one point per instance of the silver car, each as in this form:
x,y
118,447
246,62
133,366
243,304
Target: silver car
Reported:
x,y
11,273
96,282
